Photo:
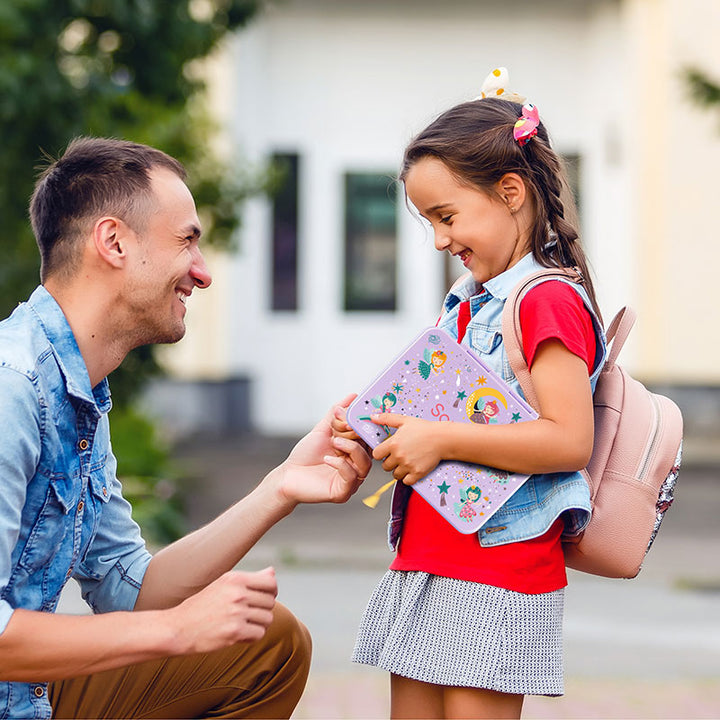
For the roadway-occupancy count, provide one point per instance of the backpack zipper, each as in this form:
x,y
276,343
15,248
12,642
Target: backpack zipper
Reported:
x,y
650,451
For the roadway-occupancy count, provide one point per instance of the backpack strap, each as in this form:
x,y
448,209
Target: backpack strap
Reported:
x,y
512,332
618,332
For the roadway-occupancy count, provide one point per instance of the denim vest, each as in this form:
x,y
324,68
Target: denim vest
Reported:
x,y
533,508
62,513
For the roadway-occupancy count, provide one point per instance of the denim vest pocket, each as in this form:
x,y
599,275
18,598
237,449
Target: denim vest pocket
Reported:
x,y
487,342
484,339
52,524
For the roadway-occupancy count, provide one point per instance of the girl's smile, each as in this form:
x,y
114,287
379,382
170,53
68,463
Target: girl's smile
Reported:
x,y
488,233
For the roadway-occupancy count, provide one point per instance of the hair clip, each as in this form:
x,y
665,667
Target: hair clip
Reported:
x,y
527,125
496,84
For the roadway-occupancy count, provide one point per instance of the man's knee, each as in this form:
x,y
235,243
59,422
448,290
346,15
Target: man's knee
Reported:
x,y
263,679
291,640
274,674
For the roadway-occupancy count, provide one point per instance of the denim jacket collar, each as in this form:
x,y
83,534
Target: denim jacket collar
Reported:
x,y
66,351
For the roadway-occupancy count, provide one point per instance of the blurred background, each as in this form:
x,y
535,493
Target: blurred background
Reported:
x,y
291,117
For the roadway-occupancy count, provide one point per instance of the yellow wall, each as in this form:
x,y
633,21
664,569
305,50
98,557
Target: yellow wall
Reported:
x,y
674,149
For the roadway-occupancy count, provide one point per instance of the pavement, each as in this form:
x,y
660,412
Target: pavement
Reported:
x,y
642,648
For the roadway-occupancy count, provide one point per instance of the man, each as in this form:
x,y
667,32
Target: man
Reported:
x,y
118,236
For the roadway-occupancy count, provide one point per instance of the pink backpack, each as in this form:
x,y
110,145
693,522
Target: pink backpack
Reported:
x,y
636,455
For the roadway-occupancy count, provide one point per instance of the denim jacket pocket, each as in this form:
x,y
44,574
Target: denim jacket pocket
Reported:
x,y
98,496
52,524
99,481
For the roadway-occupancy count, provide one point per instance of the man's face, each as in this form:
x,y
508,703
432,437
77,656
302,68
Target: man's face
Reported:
x,y
167,264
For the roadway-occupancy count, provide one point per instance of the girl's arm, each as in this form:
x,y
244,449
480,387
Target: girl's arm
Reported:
x,y
560,440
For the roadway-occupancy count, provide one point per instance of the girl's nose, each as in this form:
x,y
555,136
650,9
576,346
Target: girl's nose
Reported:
x,y
442,239
199,270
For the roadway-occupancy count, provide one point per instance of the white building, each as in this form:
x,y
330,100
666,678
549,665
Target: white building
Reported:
x,y
329,283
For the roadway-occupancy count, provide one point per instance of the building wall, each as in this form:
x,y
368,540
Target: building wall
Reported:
x,y
347,84
674,148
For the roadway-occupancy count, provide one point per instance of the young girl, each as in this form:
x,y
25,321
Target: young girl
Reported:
x,y
469,624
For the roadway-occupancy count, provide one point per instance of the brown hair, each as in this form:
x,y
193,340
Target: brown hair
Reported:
x,y
94,177
475,141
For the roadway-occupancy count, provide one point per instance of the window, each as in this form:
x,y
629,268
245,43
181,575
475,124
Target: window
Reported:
x,y
370,242
572,171
285,234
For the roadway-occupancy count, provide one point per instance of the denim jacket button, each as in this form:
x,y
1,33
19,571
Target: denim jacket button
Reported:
x,y
83,444
39,691
80,506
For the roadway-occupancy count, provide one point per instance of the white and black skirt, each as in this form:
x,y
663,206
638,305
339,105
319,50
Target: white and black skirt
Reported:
x,y
459,633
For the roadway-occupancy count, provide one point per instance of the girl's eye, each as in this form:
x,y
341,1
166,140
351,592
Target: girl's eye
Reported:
x,y
445,220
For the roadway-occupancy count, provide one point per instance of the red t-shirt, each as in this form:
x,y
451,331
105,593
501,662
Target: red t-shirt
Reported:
x,y
429,543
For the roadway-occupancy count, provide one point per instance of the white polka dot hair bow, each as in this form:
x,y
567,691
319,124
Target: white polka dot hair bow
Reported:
x,y
496,84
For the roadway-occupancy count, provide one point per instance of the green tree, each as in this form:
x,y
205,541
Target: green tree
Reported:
x,y
704,91
119,68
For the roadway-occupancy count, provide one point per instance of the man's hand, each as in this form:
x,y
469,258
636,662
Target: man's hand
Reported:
x,y
237,607
413,450
323,467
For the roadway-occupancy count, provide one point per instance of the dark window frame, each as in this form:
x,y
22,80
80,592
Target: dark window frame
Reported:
x,y
285,233
370,272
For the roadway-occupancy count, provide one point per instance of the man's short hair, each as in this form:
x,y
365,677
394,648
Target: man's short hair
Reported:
x,y
94,177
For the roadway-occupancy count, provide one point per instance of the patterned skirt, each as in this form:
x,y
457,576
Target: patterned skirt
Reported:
x,y
459,633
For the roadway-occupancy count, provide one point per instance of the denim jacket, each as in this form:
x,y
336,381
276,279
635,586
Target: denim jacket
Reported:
x,y
542,498
62,513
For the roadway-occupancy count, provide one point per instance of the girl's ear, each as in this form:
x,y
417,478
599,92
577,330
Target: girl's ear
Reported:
x,y
511,188
109,240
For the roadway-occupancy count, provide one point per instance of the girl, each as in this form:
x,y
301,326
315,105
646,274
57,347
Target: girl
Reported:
x,y
469,624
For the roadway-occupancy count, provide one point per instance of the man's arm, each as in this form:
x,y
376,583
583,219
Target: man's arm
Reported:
x,y
205,607
38,647
319,469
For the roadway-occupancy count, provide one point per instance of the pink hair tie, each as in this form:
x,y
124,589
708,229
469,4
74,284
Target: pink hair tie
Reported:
x,y
527,125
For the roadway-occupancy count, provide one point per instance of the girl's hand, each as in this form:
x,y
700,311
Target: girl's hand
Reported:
x,y
413,450
339,425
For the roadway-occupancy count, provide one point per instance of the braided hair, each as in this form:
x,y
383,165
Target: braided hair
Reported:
x,y
474,140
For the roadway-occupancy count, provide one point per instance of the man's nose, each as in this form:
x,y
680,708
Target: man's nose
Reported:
x,y
199,270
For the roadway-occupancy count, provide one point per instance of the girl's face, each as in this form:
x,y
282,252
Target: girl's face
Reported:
x,y
478,228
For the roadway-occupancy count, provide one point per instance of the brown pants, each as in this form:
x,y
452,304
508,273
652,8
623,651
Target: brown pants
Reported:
x,y
263,679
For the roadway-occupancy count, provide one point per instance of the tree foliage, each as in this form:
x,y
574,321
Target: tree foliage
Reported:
x,y
118,68
702,89
127,69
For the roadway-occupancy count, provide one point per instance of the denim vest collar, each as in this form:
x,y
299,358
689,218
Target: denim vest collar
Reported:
x,y
67,353
499,287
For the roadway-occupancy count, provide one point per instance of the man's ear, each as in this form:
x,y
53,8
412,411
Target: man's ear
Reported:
x,y
511,188
110,237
